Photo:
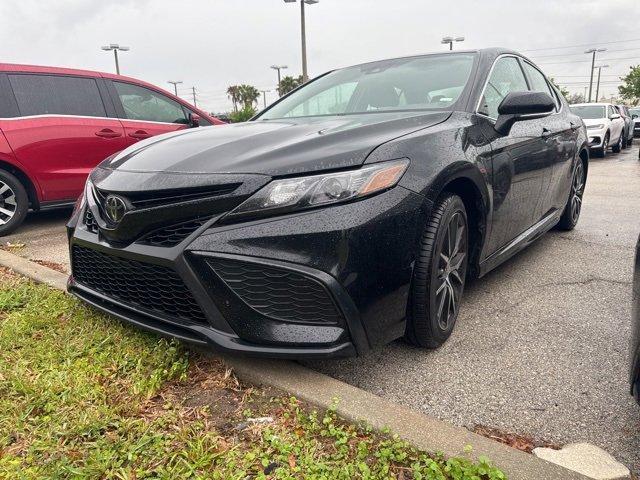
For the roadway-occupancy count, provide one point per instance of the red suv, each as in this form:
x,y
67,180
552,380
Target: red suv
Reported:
x,y
56,124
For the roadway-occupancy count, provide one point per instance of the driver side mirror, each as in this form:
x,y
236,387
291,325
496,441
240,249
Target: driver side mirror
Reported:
x,y
194,120
517,106
614,116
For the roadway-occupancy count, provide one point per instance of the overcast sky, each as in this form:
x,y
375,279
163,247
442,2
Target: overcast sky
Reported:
x,y
211,44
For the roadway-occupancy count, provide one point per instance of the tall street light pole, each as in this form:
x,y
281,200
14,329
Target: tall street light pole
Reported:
x,y
599,67
450,40
115,47
278,68
175,85
303,30
264,97
593,63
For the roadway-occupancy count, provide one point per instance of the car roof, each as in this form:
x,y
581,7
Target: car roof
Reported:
x,y
489,52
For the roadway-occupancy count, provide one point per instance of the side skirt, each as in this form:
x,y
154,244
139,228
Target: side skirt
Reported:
x,y
522,241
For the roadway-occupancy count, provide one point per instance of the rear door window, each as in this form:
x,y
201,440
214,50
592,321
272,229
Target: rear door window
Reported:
x,y
142,103
56,95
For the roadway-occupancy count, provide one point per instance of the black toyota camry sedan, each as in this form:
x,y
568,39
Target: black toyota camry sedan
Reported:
x,y
346,215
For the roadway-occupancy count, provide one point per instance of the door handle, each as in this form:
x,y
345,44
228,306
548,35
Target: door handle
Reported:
x,y
139,134
108,133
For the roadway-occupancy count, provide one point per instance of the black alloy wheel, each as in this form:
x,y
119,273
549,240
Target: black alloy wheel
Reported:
x,y
605,146
439,274
571,213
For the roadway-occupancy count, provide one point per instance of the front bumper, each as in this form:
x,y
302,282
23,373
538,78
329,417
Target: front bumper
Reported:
x,y
348,266
596,137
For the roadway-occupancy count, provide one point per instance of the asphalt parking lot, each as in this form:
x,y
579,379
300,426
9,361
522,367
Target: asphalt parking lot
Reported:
x,y
541,345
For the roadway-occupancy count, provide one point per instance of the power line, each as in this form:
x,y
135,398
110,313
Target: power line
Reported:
x,y
581,45
589,61
582,53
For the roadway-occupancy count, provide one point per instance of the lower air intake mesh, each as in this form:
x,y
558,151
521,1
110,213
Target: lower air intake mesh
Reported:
x,y
278,293
152,287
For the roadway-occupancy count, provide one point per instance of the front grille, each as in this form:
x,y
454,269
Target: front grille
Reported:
x,y
278,293
90,221
152,287
172,235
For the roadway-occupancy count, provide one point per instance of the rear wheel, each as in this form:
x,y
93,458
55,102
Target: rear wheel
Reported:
x,y
14,202
571,212
439,274
625,143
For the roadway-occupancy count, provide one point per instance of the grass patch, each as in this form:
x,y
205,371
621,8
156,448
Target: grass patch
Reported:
x,y
83,396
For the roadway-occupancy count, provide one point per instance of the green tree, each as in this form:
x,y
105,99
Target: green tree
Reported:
x,y
562,90
242,115
233,93
630,90
289,83
248,95
575,98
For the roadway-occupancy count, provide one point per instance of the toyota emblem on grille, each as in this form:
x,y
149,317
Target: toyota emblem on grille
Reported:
x,y
115,208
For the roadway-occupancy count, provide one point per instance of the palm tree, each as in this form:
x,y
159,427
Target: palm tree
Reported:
x,y
289,83
233,92
248,95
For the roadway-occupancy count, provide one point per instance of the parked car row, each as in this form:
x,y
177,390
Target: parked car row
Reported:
x,y
57,124
608,126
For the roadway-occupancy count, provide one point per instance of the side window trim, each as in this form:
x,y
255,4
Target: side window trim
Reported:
x,y
526,77
107,101
486,82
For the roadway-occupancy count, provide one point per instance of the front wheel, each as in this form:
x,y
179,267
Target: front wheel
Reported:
x,y
439,274
571,213
618,146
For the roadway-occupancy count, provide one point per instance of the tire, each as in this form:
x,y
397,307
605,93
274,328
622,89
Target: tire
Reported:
x,y
624,140
14,203
438,279
618,146
630,140
602,151
571,213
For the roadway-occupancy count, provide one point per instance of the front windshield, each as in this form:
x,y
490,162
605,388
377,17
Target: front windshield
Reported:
x,y
589,111
417,83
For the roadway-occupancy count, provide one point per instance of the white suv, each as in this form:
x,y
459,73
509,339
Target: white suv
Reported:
x,y
605,126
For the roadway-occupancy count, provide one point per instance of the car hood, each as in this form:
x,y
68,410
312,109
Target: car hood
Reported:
x,y
594,121
274,147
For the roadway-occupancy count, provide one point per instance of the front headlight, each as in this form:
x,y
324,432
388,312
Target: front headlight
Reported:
x,y
595,127
82,199
318,190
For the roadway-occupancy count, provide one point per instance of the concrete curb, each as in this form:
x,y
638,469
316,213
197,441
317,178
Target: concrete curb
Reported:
x,y
354,404
33,270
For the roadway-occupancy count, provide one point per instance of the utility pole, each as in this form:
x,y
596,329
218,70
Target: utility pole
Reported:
x,y
593,63
115,47
264,97
303,30
175,85
193,92
600,67
450,40
278,68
